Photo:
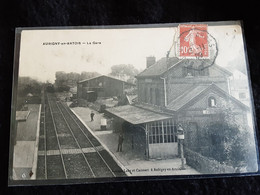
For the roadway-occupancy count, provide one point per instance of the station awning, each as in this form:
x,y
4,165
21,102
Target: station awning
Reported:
x,y
136,115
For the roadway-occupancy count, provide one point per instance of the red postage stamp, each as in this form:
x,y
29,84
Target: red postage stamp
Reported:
x,y
193,41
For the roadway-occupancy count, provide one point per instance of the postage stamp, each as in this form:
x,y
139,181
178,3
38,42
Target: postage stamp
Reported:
x,y
193,41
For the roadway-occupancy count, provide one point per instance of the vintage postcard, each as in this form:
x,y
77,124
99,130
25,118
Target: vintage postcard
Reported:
x,y
95,104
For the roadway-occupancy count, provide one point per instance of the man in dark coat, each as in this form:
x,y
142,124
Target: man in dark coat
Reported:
x,y
92,116
120,142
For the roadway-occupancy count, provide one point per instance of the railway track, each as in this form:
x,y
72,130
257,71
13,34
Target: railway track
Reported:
x,y
67,149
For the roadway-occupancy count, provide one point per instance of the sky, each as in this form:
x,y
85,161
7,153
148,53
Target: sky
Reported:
x,y
40,60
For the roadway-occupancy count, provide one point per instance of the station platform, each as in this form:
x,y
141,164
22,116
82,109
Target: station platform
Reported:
x,y
133,162
26,147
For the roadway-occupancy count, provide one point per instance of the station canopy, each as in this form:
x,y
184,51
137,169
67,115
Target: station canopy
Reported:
x,y
136,115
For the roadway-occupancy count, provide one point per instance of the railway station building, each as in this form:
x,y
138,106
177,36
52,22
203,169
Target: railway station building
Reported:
x,y
173,92
102,86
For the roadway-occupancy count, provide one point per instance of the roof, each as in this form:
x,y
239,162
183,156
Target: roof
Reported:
x,y
22,115
160,67
107,77
157,68
223,69
195,92
186,97
136,115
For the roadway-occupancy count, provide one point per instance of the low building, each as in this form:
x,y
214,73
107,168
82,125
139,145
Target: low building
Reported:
x,y
101,86
173,92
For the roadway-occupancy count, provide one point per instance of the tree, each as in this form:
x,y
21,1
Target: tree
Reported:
x,y
28,85
88,75
64,80
126,72
50,88
228,140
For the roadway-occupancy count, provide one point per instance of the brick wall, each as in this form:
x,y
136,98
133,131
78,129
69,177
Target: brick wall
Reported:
x,y
151,91
112,87
104,86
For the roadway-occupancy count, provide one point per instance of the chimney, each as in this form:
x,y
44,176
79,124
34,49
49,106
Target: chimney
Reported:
x,y
150,61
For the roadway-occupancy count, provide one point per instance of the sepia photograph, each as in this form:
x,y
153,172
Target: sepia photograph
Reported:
x,y
107,102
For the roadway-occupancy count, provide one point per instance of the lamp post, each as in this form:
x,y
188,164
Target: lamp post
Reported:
x,y
180,135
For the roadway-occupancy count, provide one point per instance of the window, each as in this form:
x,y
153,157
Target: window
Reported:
x,y
145,94
170,132
155,135
188,71
162,132
151,96
157,97
212,102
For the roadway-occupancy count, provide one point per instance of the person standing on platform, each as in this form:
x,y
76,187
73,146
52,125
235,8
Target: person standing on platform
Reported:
x,y
92,115
120,142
